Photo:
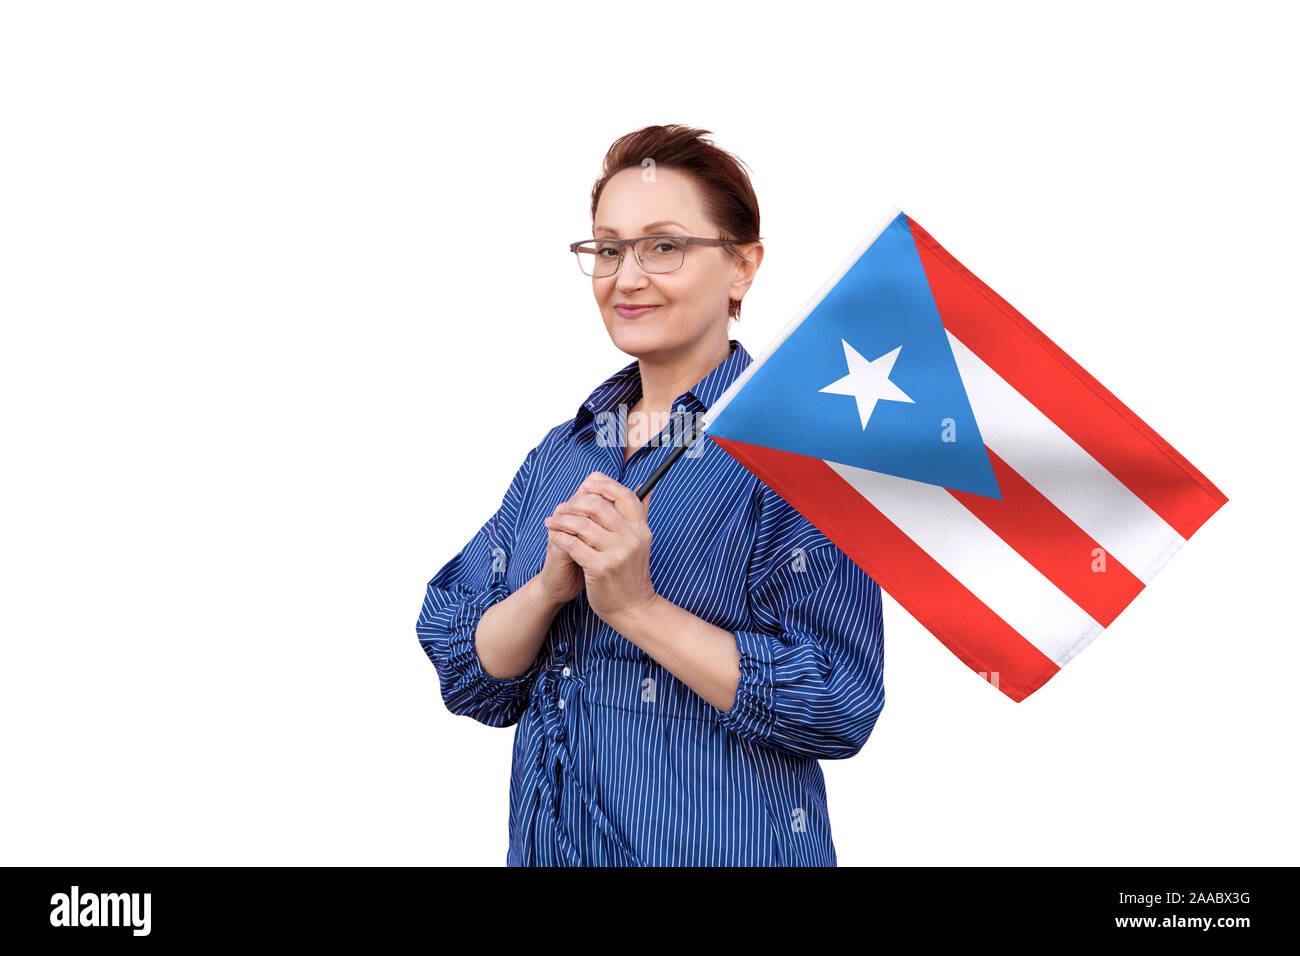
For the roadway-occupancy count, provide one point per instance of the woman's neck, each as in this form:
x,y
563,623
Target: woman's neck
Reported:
x,y
663,381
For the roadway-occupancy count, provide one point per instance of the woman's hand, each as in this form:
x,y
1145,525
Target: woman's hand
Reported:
x,y
561,577
603,529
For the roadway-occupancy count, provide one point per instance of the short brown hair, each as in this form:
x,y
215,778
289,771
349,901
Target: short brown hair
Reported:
x,y
729,196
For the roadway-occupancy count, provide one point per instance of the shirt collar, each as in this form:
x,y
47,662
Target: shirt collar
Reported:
x,y
624,387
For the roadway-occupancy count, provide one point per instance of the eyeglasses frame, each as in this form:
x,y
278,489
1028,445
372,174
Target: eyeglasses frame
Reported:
x,y
622,250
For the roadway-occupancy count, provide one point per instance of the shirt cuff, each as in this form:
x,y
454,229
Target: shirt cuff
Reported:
x,y
461,652
752,714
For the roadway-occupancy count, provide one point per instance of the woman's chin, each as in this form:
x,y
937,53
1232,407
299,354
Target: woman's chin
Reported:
x,y
637,341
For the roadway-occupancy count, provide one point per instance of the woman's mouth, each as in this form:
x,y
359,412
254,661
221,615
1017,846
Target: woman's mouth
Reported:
x,y
631,312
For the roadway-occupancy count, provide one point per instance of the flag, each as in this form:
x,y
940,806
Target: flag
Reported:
x,y
977,473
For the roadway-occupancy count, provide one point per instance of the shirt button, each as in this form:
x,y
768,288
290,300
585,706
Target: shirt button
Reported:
x,y
561,704
566,672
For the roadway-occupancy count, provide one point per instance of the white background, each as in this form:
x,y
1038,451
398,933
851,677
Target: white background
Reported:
x,y
286,299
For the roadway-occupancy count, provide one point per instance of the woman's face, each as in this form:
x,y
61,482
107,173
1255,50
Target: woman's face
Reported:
x,y
690,305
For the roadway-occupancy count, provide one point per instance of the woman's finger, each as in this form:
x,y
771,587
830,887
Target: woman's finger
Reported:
x,y
622,497
583,554
597,507
581,526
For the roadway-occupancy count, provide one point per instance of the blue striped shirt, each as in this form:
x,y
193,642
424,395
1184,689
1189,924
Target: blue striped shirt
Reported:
x,y
616,762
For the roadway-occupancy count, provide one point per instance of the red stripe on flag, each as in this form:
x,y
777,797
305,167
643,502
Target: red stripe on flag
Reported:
x,y
1063,390
945,607
1049,540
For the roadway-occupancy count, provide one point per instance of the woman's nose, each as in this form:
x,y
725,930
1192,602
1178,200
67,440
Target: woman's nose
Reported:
x,y
630,273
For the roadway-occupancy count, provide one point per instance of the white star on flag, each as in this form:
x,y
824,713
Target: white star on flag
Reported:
x,y
868,381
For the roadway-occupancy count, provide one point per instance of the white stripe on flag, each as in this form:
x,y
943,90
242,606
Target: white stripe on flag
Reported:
x,y
1059,468
987,566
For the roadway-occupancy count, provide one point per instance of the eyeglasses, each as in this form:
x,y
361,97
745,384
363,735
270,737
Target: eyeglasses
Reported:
x,y
657,254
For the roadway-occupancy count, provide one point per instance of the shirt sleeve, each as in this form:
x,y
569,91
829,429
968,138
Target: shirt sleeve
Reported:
x,y
455,601
812,677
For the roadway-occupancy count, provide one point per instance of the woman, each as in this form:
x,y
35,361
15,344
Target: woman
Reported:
x,y
676,667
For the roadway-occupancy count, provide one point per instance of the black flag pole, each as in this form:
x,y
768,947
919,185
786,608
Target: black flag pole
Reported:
x,y
686,441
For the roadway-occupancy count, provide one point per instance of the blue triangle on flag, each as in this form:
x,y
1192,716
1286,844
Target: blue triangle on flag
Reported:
x,y
875,346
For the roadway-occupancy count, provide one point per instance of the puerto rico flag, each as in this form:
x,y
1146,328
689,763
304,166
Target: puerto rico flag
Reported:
x,y
975,471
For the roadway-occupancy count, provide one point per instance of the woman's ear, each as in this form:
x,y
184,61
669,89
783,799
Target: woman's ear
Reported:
x,y
745,268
